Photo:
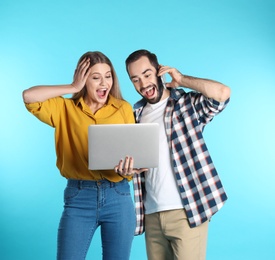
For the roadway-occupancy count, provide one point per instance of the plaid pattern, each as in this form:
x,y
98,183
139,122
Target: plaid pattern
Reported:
x,y
200,187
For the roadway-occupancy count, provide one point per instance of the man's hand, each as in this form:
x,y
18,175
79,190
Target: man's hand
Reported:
x,y
175,75
125,167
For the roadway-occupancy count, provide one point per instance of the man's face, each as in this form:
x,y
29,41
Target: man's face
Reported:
x,y
144,77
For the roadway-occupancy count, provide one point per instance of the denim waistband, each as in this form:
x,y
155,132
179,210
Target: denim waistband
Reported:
x,y
93,184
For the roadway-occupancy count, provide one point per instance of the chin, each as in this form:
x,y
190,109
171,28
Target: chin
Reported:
x,y
155,99
102,101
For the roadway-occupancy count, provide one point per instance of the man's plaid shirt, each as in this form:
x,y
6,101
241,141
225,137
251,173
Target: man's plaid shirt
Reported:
x,y
200,187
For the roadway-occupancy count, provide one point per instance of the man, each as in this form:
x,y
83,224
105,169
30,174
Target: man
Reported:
x,y
180,196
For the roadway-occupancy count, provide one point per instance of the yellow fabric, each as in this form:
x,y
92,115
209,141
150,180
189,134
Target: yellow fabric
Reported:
x,y
71,120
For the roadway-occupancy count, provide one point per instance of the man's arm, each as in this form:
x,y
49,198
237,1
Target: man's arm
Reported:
x,y
209,88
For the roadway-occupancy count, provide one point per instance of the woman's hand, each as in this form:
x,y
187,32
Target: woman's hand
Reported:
x,y
81,74
43,92
125,167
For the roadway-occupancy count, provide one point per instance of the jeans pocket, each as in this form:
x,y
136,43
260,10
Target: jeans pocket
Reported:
x,y
123,189
70,192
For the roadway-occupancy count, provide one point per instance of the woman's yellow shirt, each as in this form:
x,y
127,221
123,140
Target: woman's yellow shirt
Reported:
x,y
71,120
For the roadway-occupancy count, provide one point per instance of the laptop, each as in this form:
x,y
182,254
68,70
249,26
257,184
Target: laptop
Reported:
x,y
109,143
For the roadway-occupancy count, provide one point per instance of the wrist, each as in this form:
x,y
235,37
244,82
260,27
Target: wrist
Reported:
x,y
74,88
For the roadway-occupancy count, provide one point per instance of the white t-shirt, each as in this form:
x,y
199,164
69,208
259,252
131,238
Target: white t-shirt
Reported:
x,y
161,189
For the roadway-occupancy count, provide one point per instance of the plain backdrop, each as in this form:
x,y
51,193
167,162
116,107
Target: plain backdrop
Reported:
x,y
229,41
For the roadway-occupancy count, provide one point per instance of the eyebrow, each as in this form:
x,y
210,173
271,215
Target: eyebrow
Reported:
x,y
144,72
100,73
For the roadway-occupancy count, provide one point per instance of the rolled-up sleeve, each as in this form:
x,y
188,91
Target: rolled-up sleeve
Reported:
x,y
207,108
47,111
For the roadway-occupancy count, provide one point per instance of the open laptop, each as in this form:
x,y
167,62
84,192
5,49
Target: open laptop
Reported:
x,y
109,143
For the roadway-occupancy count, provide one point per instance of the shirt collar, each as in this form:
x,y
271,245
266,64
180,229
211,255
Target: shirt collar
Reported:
x,y
111,101
176,94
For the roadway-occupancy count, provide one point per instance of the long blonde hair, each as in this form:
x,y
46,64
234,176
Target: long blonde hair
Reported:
x,y
99,57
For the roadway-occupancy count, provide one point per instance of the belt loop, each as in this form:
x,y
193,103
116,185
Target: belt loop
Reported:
x,y
79,185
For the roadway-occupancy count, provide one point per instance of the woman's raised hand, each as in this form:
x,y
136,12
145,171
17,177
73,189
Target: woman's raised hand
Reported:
x,y
81,74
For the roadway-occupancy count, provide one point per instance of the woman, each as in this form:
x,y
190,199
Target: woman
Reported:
x,y
92,198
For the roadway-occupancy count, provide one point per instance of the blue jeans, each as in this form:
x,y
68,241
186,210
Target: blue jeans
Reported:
x,y
88,205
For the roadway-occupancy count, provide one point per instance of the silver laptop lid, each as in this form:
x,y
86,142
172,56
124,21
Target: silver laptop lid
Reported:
x,y
111,142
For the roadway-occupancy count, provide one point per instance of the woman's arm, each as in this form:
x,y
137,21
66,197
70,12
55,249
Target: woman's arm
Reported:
x,y
42,93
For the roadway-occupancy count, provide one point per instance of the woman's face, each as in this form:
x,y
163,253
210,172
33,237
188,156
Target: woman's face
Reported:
x,y
99,84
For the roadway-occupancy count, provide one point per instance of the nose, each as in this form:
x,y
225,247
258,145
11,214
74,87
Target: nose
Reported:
x,y
143,83
102,82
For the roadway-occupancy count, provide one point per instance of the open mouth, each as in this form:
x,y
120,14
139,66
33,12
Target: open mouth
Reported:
x,y
148,92
102,93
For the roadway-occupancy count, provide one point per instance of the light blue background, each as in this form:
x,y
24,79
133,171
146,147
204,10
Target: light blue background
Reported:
x,y
230,41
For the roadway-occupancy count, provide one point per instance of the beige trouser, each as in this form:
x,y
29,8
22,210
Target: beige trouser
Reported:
x,y
169,237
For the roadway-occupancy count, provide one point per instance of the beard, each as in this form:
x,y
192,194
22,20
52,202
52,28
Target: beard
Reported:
x,y
159,89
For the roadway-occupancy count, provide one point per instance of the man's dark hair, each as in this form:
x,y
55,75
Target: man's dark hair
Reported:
x,y
140,53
